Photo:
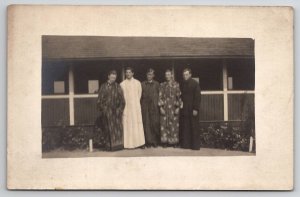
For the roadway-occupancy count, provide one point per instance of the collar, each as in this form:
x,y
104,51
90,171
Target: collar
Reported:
x,y
190,79
149,82
110,83
171,82
130,79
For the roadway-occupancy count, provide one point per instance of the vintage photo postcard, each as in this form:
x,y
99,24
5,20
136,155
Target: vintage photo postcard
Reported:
x,y
150,97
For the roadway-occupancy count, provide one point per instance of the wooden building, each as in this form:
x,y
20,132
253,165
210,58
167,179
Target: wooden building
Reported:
x,y
73,67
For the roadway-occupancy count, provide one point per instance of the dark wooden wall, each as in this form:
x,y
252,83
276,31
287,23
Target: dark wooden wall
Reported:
x,y
212,108
85,111
55,112
240,106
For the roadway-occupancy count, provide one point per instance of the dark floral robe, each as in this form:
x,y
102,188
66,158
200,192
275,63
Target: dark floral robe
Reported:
x,y
169,101
111,105
150,112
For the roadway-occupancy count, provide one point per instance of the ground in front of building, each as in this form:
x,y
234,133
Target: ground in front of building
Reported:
x,y
156,152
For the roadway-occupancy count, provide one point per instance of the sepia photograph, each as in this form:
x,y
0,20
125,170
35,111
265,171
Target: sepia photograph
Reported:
x,y
150,97
147,96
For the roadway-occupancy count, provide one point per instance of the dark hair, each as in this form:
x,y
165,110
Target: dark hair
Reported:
x,y
150,70
187,70
112,72
169,70
129,68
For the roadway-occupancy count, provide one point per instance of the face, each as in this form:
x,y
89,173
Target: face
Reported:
x,y
150,76
168,76
129,74
112,77
187,75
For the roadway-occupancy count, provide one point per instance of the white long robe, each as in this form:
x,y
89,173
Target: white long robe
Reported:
x,y
132,117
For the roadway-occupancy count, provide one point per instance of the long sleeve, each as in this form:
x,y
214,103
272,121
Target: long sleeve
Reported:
x,y
197,97
121,100
178,102
100,99
161,98
139,88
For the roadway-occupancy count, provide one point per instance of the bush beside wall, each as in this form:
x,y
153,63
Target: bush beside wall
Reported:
x,y
226,135
221,135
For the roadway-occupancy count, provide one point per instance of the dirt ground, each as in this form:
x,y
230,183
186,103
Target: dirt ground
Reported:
x,y
156,152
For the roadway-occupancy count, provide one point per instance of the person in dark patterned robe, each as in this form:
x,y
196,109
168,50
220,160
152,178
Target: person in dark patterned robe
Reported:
x,y
189,121
170,103
111,104
150,110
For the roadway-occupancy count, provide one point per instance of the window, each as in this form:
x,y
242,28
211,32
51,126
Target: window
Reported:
x,y
207,71
55,78
240,74
89,75
141,66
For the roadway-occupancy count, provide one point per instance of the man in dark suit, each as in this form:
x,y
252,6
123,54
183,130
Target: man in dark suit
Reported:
x,y
191,97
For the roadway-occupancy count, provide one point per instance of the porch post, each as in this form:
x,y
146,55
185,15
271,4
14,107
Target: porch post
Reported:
x,y
71,94
225,88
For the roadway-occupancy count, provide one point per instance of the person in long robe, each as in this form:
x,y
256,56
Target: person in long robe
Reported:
x,y
150,110
191,97
132,118
170,103
111,104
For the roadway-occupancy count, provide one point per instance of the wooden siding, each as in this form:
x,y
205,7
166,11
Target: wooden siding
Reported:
x,y
240,106
85,111
55,112
211,108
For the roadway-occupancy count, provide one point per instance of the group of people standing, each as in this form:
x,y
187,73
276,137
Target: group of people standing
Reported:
x,y
150,114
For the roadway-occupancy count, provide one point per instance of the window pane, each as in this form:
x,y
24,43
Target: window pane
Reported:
x,y
55,78
241,73
141,66
93,86
59,87
88,73
208,71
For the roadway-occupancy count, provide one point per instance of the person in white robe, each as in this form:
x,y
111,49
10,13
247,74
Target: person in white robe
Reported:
x,y
132,117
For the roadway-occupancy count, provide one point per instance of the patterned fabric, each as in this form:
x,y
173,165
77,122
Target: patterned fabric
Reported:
x,y
150,112
111,105
170,102
100,138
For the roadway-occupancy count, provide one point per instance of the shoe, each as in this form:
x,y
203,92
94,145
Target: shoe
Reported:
x,y
176,146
